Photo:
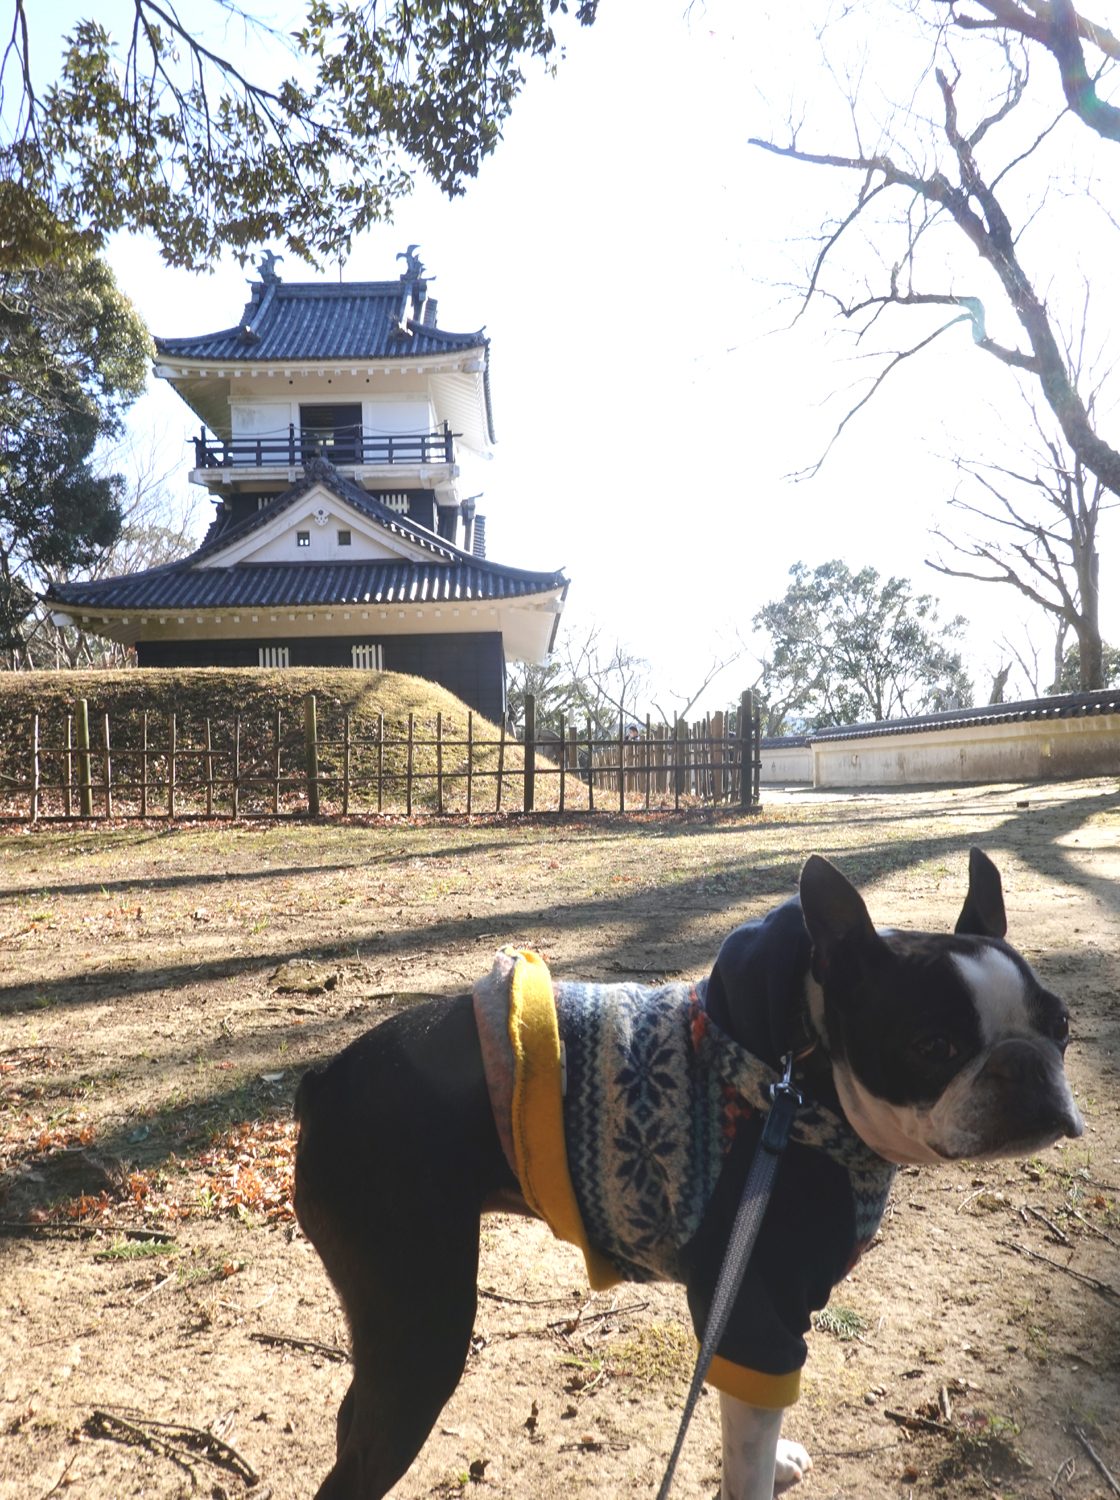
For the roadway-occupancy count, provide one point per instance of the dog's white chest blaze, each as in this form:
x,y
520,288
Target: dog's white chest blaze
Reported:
x,y
1000,991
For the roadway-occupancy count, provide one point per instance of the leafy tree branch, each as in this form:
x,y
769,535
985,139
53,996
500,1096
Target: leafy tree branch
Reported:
x,y
158,130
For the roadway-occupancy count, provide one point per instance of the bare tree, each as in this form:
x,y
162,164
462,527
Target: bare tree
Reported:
x,y
964,169
587,680
1039,665
1037,534
156,528
727,652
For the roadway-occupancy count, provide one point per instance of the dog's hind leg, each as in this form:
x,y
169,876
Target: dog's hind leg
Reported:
x,y
410,1340
397,1154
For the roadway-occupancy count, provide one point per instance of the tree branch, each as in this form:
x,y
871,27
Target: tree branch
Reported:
x,y
1057,26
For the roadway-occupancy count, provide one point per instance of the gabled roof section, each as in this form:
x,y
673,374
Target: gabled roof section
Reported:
x,y
440,573
320,474
309,320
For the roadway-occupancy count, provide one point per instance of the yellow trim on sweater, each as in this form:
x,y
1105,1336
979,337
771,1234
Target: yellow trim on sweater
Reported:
x,y
772,1392
538,1112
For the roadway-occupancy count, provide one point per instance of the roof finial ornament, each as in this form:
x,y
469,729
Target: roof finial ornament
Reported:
x,y
267,266
414,266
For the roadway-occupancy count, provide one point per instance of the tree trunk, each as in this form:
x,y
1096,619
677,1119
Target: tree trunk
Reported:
x,y
1088,629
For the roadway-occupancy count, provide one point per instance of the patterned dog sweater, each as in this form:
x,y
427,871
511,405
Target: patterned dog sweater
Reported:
x,y
629,1118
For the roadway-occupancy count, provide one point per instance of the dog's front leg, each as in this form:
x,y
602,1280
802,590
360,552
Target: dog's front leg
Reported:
x,y
756,1465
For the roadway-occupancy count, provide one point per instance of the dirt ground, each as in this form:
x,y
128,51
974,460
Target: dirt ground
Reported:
x,y
167,1331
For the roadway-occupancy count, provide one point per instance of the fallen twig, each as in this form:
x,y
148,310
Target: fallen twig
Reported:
x,y
1066,1470
1081,1219
1098,1286
61,1480
83,1231
1059,1234
159,1286
104,1424
578,1320
485,1291
312,1346
924,1424
1097,1459
215,1450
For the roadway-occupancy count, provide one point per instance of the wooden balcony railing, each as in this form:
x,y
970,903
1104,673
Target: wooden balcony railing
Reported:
x,y
342,447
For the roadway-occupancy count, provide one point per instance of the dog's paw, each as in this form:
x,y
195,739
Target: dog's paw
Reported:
x,y
792,1465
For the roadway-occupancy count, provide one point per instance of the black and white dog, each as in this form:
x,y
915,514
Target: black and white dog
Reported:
x,y
909,1047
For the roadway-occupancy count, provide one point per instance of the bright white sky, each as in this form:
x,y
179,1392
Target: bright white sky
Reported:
x,y
626,251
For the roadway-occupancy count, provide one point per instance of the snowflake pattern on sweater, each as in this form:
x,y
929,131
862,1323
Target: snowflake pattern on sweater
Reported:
x,y
654,1094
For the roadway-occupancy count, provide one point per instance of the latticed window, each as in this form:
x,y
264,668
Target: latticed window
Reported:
x,y
366,658
396,500
272,656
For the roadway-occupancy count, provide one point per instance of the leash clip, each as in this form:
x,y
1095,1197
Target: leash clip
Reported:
x,y
785,1101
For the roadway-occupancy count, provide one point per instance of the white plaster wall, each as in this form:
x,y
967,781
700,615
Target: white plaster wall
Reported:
x,y
780,767
323,542
384,414
262,418
257,417
1030,751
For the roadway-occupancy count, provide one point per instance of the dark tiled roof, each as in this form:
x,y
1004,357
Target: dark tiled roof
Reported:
x,y
292,585
305,320
320,472
451,576
1059,706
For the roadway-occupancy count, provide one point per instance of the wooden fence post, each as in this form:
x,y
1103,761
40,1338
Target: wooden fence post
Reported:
x,y
69,765
439,761
470,761
501,764
408,767
746,755
34,767
144,764
756,754
346,765
621,762
85,785
680,761
380,759
311,744
590,770
171,770
209,772
530,751
108,768
648,750
718,740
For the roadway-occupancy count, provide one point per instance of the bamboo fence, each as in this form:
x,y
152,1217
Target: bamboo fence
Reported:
x,y
160,766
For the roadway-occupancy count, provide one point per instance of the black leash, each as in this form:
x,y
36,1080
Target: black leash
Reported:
x,y
784,1101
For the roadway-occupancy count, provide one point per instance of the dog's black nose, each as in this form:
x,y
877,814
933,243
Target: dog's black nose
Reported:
x,y
1030,1089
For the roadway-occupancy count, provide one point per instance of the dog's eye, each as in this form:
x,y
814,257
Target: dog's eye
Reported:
x,y
1059,1030
935,1049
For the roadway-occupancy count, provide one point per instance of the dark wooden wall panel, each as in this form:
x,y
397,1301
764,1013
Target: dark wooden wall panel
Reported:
x,y
471,666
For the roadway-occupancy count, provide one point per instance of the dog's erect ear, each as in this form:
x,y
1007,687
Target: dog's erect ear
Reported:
x,y
834,914
983,914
